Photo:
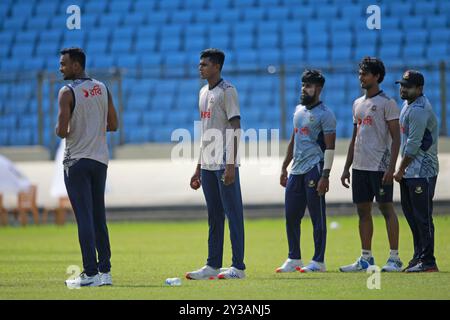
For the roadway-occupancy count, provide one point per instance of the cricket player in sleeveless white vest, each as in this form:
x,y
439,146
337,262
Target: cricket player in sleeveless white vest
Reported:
x,y
86,113
217,170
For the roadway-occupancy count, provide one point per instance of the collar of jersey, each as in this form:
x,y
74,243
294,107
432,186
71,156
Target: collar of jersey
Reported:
x,y
313,106
379,92
218,82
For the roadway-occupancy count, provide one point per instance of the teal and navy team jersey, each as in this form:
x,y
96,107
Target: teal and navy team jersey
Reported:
x,y
419,132
310,125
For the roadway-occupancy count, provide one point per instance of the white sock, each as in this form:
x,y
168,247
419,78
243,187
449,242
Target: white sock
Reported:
x,y
366,254
394,254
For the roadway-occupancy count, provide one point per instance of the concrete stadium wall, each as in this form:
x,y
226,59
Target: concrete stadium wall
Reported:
x,y
163,183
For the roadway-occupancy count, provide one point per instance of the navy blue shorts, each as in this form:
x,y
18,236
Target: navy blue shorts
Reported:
x,y
366,185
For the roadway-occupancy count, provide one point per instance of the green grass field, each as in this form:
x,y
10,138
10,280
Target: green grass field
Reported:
x,y
34,260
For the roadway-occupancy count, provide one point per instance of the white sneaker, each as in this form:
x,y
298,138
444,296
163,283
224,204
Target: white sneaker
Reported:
x,y
83,281
360,265
106,279
392,265
204,273
290,265
313,266
232,273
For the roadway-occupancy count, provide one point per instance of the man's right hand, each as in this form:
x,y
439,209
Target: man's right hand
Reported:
x,y
196,181
345,176
283,178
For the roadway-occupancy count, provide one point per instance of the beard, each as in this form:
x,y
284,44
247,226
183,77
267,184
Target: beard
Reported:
x,y
306,100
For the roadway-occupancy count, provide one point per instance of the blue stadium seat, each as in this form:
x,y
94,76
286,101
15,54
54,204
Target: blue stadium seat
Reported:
x,y
97,47
306,12
194,44
351,11
317,56
269,56
182,17
15,23
278,13
135,19
89,21
341,38
341,54
393,36
320,39
293,56
143,6
292,39
157,18
169,44
425,8
22,50
145,45
337,25
50,36
326,12
219,41
102,61
37,23
120,6
138,134
44,49
127,61
396,7
437,52
267,41
243,28
111,20
121,46
96,6
205,16
244,41
254,14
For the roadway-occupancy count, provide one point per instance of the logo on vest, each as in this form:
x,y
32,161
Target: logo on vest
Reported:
x,y
95,91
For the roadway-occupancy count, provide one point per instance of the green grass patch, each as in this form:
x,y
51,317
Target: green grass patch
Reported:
x,y
34,260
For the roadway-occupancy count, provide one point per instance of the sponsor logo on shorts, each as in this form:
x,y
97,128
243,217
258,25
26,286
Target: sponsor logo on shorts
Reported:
x,y
311,184
382,192
418,190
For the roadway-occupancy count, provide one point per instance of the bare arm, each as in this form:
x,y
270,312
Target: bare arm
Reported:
x,y
112,122
287,160
323,184
348,162
394,130
65,101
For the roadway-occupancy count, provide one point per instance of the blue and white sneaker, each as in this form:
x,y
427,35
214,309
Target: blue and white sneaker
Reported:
x,y
232,273
360,265
392,265
106,279
313,266
84,280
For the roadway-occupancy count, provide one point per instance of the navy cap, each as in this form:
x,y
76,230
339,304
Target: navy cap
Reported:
x,y
412,78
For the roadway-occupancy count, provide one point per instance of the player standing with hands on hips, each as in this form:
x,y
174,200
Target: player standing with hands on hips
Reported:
x,y
312,149
217,170
418,169
86,113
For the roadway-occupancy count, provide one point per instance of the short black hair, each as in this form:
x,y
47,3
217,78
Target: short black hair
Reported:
x,y
374,66
313,76
76,54
215,55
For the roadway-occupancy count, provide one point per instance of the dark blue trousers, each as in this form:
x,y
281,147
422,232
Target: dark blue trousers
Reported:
x,y
417,205
301,193
223,200
85,184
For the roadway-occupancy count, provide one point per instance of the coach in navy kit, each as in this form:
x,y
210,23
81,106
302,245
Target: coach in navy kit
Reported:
x,y
312,150
86,113
217,170
418,170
